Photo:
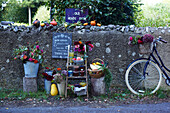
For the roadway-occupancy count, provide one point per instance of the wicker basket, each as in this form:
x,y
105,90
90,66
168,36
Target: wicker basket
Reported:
x,y
145,48
96,73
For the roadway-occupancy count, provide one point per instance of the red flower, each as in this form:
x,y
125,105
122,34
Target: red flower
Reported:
x,y
24,57
88,42
38,47
76,43
140,42
91,45
58,69
47,67
131,38
48,77
30,59
35,61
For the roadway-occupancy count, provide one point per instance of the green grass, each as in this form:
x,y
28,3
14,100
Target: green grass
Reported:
x,y
19,94
120,94
154,15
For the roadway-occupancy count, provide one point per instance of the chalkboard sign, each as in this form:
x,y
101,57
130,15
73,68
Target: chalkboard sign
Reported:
x,y
60,44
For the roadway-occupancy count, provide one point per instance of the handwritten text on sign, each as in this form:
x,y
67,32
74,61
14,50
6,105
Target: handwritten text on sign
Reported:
x,y
74,15
60,44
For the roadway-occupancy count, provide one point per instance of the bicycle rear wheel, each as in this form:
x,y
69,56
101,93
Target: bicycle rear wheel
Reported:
x,y
140,84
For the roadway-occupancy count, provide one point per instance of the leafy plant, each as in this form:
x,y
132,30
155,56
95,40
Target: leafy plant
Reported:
x,y
108,77
103,11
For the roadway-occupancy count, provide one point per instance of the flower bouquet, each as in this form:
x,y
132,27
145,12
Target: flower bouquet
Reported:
x,y
31,56
147,38
60,78
82,48
60,75
143,41
31,53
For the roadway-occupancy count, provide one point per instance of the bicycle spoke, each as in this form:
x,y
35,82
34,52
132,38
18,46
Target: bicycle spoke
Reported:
x,y
143,84
136,70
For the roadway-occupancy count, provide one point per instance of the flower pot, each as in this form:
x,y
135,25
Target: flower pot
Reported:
x,y
47,86
31,69
47,83
61,88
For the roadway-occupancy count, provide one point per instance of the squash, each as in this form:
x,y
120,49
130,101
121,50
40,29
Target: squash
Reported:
x,y
54,90
54,23
98,24
85,24
93,23
42,24
82,84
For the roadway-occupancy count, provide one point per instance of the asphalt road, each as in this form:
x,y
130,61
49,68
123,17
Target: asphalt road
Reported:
x,y
138,108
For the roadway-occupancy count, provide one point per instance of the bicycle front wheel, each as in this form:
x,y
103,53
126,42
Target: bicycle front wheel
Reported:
x,y
141,84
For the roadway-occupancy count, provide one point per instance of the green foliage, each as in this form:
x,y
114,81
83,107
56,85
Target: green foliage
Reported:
x,y
103,11
19,94
42,14
14,12
154,15
32,3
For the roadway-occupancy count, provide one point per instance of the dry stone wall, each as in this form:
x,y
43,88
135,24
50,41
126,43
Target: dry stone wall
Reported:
x,y
111,45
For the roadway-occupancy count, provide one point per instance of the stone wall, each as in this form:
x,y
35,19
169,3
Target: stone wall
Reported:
x,y
111,44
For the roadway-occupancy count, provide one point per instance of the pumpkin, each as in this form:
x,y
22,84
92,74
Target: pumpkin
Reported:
x,y
98,24
54,23
54,90
85,24
93,23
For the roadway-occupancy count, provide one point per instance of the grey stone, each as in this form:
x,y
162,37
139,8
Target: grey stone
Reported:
x,y
127,28
123,29
87,27
3,68
97,44
103,27
15,29
7,61
108,50
29,84
163,31
111,26
107,44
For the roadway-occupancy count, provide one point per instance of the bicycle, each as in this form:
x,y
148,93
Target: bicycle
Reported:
x,y
144,75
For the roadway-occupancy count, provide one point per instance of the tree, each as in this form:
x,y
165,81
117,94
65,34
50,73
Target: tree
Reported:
x,y
42,14
1,7
103,11
14,12
31,4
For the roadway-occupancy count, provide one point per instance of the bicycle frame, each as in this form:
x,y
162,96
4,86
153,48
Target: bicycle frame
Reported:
x,y
159,63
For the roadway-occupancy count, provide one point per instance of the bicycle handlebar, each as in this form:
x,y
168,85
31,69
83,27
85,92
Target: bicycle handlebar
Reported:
x,y
160,40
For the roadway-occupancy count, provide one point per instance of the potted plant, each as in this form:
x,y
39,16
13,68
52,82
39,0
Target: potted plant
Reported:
x,y
60,79
31,56
48,77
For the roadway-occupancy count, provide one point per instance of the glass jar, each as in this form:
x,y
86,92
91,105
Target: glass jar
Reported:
x,y
75,73
70,73
81,72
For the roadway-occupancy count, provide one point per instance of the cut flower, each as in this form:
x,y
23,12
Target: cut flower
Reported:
x,y
31,53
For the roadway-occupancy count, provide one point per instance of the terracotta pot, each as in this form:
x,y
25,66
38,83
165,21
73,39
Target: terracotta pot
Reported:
x,y
54,23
